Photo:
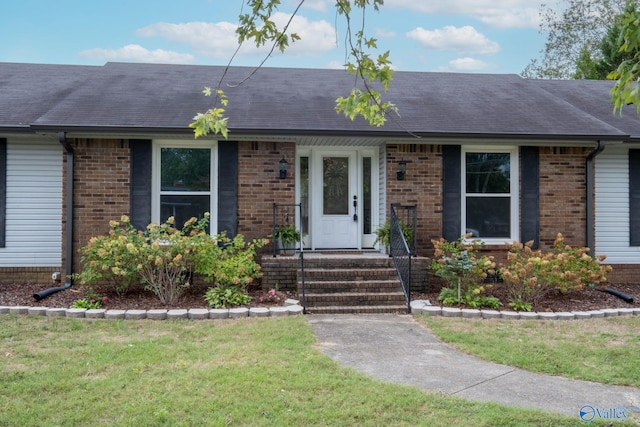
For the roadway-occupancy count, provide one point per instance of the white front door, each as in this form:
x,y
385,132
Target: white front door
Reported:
x,y
335,208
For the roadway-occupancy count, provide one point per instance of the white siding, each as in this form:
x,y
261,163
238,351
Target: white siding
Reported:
x,y
34,205
612,207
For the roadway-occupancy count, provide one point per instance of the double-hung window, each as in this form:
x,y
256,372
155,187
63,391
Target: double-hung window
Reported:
x,y
184,182
490,193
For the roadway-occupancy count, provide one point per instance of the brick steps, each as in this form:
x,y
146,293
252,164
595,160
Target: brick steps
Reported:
x,y
339,309
357,285
355,299
338,286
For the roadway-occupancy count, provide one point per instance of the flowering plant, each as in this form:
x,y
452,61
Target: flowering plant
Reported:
x,y
531,274
163,257
272,296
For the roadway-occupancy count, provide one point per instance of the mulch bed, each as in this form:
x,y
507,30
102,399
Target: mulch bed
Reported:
x,y
584,300
20,294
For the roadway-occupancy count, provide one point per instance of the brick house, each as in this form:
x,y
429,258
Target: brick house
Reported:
x,y
496,155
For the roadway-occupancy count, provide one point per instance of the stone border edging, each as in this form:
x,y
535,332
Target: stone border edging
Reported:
x,y
417,307
155,314
422,307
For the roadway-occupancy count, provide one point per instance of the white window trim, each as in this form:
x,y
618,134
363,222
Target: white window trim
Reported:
x,y
155,176
514,179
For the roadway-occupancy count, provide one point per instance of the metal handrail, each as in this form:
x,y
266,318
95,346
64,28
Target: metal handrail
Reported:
x,y
283,206
401,254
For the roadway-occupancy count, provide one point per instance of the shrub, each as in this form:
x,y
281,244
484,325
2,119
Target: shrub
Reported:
x,y
458,263
532,274
164,258
229,261
223,296
230,268
107,258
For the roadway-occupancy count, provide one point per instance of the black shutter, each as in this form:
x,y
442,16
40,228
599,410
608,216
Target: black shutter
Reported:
x,y
3,191
530,197
228,187
140,191
634,197
451,192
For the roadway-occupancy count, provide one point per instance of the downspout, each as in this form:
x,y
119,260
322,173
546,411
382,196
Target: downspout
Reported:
x,y
68,267
591,239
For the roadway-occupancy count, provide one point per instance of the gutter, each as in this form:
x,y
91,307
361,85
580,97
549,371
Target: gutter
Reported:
x,y
68,268
591,239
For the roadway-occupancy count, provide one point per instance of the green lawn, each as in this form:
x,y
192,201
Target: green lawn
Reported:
x,y
604,350
257,372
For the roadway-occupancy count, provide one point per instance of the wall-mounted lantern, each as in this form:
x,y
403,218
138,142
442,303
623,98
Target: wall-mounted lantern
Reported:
x,y
283,168
402,170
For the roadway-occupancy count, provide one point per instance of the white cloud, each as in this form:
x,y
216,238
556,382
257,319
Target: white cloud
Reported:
x,y
137,53
469,65
465,40
495,13
315,36
384,33
219,40
317,5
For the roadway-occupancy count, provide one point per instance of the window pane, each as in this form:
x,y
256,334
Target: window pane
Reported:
x,y
487,173
366,194
185,169
489,216
336,185
304,192
182,208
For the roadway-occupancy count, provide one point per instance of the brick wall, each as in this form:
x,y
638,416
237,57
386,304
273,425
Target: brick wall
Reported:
x,y
102,178
27,275
422,186
101,182
563,195
562,192
623,273
260,185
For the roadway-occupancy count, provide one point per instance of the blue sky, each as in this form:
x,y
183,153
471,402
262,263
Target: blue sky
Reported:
x,y
489,36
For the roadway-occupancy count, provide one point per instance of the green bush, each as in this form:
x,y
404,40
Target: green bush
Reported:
x,y
164,258
223,296
458,263
108,258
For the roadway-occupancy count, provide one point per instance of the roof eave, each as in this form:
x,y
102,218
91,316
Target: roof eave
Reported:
x,y
373,133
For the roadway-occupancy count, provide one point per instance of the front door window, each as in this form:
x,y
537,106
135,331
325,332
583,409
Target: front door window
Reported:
x,y
336,185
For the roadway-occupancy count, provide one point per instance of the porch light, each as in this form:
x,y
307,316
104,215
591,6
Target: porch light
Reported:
x,y
402,169
283,168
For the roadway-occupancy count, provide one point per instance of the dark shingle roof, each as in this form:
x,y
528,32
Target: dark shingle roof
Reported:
x,y
27,91
592,96
164,98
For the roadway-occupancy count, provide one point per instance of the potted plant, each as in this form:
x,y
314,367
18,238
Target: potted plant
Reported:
x,y
383,234
287,236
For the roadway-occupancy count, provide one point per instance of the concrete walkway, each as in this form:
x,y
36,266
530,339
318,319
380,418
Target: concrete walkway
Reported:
x,y
397,349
